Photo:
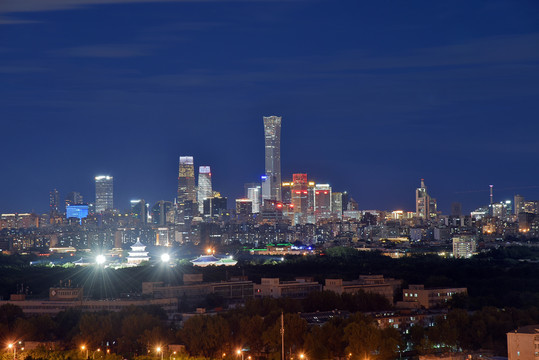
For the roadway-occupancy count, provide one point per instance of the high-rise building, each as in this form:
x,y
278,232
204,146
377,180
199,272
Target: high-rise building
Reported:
x,y
519,204
300,197
54,202
215,206
286,192
272,136
322,201
253,194
336,204
104,193
456,209
425,206
139,211
244,208
204,186
74,198
186,180
162,212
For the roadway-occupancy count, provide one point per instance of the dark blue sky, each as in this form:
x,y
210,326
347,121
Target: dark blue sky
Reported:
x,y
374,95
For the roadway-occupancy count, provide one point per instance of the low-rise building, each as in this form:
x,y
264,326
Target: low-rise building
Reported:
x,y
297,289
429,298
523,343
374,284
194,289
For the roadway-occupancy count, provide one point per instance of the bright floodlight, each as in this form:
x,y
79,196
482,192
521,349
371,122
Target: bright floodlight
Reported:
x,y
100,259
165,258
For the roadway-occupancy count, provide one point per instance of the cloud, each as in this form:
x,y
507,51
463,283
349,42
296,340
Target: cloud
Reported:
x,y
106,51
16,6
4,20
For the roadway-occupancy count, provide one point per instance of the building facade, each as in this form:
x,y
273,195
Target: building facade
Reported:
x,y
104,193
272,137
205,190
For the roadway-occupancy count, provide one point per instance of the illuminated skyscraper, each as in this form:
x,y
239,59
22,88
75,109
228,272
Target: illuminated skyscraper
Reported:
x,y
204,186
300,197
104,193
426,206
186,180
322,201
272,136
422,201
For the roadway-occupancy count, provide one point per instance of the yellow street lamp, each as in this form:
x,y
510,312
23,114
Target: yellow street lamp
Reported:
x,y
159,350
12,346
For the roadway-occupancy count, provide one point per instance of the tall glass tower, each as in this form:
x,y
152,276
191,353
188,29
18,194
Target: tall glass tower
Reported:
x,y
204,186
103,193
272,136
186,180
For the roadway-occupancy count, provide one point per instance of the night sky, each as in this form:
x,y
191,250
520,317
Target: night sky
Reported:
x,y
374,95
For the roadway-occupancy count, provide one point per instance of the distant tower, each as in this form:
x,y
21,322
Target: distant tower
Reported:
x,y
300,197
491,197
54,202
162,212
104,193
272,136
422,201
518,204
456,209
186,180
204,186
74,198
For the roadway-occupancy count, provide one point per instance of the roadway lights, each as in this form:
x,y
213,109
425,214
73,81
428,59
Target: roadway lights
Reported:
x,y
165,258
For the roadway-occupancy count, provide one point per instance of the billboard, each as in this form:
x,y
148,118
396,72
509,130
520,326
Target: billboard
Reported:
x,y
77,211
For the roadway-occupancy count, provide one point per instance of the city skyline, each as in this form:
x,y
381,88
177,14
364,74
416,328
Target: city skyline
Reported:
x,y
373,97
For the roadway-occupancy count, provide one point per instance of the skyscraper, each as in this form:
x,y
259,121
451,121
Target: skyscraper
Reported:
x,y
426,206
54,202
186,180
74,198
272,136
300,197
204,186
103,193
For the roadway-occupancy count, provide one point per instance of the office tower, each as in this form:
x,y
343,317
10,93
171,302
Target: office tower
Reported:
x,y
266,188
162,212
322,201
104,193
286,192
139,211
519,204
186,180
244,208
272,136
422,201
336,204
215,206
54,202
74,198
204,186
253,194
456,209
300,197
345,199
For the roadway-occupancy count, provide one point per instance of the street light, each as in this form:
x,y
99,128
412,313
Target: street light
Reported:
x,y
82,348
12,346
93,355
159,350
240,352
